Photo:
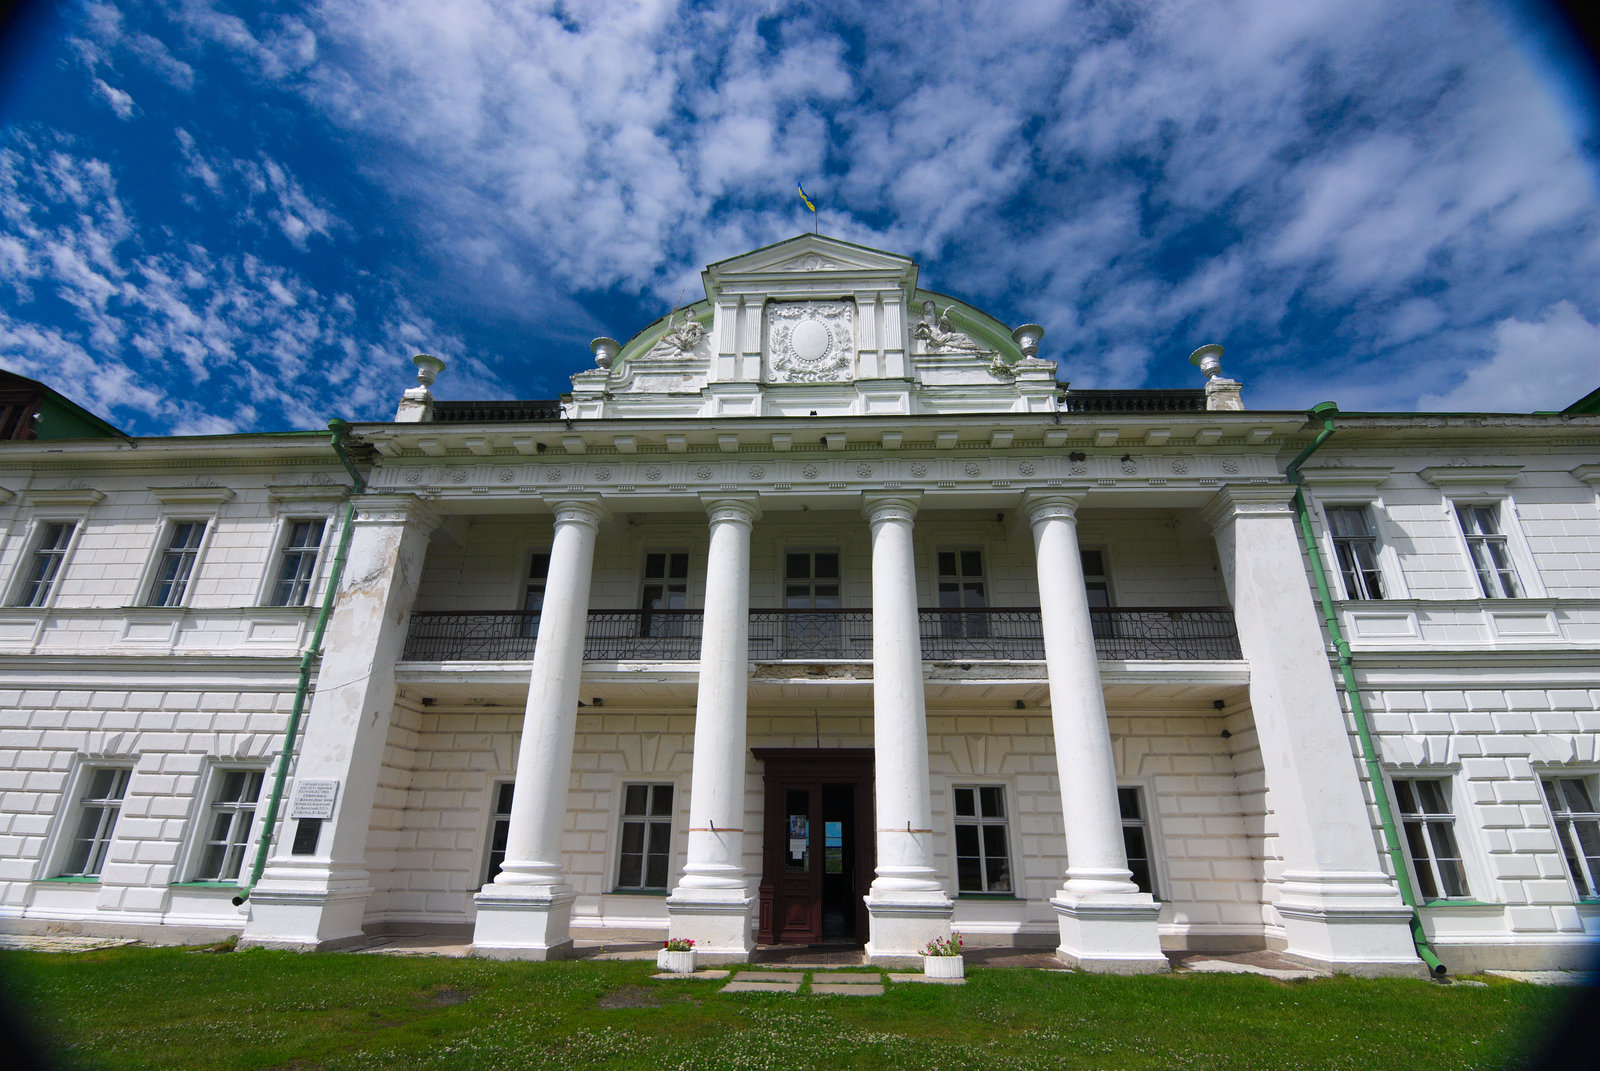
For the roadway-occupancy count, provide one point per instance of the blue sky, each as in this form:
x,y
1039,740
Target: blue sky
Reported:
x,y
248,216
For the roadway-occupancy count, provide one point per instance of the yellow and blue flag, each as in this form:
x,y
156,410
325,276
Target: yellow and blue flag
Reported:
x,y
804,198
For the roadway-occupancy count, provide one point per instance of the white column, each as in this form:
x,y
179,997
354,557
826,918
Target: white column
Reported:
x,y
712,902
1106,922
1340,909
318,900
907,905
525,913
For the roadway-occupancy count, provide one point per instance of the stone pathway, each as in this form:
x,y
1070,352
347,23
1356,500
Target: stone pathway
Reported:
x,y
59,942
823,981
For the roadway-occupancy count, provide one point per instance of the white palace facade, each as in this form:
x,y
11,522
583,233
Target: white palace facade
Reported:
x,y
821,611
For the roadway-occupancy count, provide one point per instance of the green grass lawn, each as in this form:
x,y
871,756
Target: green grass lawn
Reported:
x,y
177,1008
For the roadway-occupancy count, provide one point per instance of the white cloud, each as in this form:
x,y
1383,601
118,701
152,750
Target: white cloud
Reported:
x,y
1541,365
119,101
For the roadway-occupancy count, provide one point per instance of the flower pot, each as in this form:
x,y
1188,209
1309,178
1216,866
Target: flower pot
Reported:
x,y
675,962
944,966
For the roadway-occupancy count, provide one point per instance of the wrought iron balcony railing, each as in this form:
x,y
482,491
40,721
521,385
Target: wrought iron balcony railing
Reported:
x,y
1013,634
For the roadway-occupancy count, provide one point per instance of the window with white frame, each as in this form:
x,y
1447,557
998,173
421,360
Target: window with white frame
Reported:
x,y
499,830
297,566
1136,837
229,818
646,847
962,586
175,567
98,805
983,848
533,591
1490,554
45,563
1355,548
1577,823
666,587
1429,830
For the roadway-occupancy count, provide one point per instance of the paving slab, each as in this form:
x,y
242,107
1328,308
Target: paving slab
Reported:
x,y
1226,966
736,986
772,976
829,978
925,978
831,988
1550,977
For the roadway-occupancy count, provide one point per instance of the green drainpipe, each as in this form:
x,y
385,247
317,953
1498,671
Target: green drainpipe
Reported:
x,y
1380,789
340,429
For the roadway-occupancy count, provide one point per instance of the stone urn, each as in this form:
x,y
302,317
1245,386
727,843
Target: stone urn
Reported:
x,y
675,962
944,966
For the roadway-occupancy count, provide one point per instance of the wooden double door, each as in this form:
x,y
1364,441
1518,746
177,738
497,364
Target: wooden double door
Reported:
x,y
818,845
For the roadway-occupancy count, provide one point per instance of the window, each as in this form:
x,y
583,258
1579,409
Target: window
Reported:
x,y
48,556
646,837
177,564
811,582
533,592
1486,545
1571,801
98,808
1429,831
1096,582
299,566
228,822
983,857
499,830
961,586
1355,546
666,587
1136,838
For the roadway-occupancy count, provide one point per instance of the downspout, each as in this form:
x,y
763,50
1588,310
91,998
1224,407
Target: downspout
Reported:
x,y
1369,753
340,429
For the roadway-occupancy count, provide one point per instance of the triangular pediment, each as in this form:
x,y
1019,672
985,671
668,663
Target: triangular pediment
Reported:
x,y
810,256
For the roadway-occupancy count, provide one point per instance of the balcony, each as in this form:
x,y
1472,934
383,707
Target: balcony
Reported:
x,y
1163,633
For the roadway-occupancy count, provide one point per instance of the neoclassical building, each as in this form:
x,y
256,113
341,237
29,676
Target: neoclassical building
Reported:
x,y
821,611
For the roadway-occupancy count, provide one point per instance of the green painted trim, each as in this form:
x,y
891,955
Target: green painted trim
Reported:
x,y
76,879
653,331
231,886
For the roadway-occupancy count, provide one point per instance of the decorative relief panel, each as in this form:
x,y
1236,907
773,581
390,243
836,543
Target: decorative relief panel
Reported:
x,y
811,342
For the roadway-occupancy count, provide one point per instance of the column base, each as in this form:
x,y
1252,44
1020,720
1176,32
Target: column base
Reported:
x,y
307,909
1110,934
901,925
1348,924
719,925
515,923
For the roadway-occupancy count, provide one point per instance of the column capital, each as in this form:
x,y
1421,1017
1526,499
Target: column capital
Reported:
x,y
1052,505
397,509
586,510
1240,500
732,509
880,508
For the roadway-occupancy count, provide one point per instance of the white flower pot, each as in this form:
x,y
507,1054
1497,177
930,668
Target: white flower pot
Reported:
x,y
675,962
944,966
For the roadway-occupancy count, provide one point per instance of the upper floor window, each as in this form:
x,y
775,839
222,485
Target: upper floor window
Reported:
x,y
176,565
44,567
533,593
962,586
1096,581
1486,544
666,587
1577,821
298,567
811,580
1355,547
